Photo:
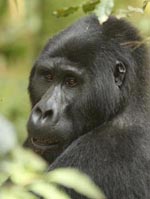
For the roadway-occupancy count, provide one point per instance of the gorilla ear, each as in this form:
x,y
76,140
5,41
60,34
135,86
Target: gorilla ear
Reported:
x,y
119,73
122,31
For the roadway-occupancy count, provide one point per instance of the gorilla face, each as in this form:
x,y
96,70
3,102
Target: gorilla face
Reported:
x,y
76,84
56,86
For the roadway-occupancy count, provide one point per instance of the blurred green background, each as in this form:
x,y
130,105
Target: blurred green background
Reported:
x,y
25,26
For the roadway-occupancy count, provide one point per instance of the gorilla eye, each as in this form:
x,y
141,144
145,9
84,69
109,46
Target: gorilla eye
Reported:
x,y
49,77
71,81
119,73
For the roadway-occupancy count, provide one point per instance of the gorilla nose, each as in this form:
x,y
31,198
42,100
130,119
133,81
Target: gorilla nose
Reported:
x,y
41,116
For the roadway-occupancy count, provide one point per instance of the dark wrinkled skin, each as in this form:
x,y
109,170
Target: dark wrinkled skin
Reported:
x,y
90,106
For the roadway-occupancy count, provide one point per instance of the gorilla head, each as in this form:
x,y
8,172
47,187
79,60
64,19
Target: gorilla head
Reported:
x,y
86,76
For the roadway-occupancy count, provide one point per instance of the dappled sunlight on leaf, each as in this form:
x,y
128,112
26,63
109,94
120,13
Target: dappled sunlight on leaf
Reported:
x,y
69,177
104,10
23,171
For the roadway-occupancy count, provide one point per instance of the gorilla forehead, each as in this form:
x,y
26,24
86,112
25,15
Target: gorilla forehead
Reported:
x,y
83,38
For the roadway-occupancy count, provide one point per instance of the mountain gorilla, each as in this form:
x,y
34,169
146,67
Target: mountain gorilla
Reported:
x,y
89,92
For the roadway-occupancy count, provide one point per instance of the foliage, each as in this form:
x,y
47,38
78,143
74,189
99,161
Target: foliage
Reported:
x,y
24,173
145,3
102,9
14,103
64,12
86,7
90,5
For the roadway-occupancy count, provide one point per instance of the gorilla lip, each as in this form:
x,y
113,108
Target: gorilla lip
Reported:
x,y
43,144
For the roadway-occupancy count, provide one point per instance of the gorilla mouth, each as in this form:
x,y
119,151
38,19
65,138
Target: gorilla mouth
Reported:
x,y
43,144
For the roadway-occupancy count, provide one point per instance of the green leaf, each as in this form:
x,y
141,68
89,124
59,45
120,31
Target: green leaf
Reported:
x,y
16,3
104,10
48,191
3,177
26,160
64,12
136,10
22,169
21,176
145,3
90,5
16,193
128,12
76,180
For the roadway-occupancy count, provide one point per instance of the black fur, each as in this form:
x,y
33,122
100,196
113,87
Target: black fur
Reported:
x,y
101,124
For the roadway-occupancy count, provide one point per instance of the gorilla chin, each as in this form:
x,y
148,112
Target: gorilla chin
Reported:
x,y
89,91
44,147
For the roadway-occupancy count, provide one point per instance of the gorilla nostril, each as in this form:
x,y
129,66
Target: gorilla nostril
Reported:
x,y
48,114
37,113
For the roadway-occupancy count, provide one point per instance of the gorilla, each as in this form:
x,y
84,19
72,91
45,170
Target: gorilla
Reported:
x,y
89,90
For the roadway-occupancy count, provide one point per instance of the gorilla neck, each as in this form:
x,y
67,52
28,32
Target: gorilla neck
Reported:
x,y
136,113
